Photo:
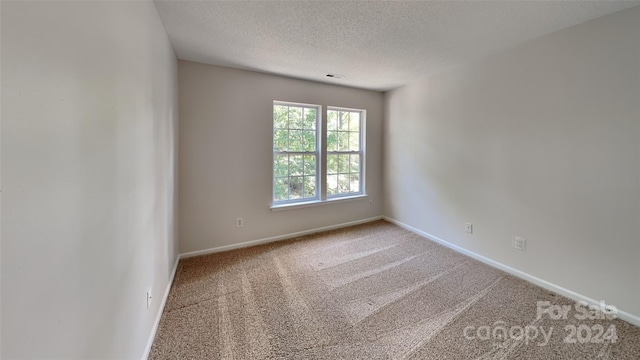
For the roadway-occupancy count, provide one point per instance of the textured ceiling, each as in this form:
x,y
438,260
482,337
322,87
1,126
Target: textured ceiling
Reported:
x,y
376,45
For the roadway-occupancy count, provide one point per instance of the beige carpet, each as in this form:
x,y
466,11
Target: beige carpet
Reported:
x,y
373,291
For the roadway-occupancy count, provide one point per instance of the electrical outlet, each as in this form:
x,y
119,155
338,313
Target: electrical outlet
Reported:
x,y
520,243
149,296
239,222
468,227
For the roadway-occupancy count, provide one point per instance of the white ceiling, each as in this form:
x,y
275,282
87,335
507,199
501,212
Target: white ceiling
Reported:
x,y
376,45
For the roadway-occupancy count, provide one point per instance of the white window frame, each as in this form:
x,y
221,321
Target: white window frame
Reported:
x,y
317,153
321,160
360,152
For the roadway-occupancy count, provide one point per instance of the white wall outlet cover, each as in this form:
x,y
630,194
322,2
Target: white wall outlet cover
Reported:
x,y
519,243
468,227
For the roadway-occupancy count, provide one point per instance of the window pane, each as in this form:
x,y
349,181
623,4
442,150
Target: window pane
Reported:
x,y
354,184
355,162
332,164
332,184
354,122
295,140
344,121
354,141
309,118
343,141
281,165
295,187
343,183
281,189
343,163
280,116
309,164
309,140
295,118
280,140
332,120
295,165
309,186
332,141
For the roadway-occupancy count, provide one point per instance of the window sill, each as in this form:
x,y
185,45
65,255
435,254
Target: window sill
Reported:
x,y
314,203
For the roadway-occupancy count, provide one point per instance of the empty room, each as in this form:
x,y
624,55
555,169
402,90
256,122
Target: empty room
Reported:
x,y
319,179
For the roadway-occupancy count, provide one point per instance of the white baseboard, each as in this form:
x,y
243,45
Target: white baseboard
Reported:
x,y
274,238
152,336
622,315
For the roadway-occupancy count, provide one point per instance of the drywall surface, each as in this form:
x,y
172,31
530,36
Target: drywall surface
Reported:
x,y
225,152
540,142
89,116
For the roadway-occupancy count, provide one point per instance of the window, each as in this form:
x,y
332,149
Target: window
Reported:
x,y
300,174
344,152
295,152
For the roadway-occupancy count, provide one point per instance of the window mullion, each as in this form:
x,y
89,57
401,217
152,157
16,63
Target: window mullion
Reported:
x,y
322,146
288,173
294,152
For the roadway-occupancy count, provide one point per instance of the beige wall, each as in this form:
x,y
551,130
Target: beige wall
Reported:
x,y
89,110
225,155
541,141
